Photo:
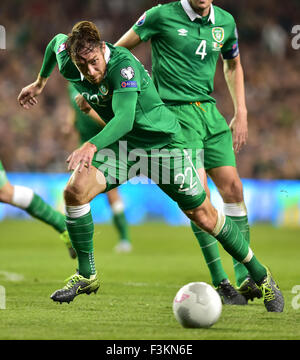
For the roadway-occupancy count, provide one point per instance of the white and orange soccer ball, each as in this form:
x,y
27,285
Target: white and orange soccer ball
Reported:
x,y
197,305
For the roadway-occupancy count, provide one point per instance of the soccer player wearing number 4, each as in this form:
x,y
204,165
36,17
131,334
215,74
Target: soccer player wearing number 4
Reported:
x,y
187,38
120,90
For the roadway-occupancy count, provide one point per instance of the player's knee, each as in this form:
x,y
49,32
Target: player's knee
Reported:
x,y
232,190
204,216
74,194
207,221
6,193
3,196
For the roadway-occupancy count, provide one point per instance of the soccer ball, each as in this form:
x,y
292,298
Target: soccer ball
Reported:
x,y
197,305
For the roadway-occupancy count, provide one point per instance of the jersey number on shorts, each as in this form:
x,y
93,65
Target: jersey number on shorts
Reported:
x,y
187,173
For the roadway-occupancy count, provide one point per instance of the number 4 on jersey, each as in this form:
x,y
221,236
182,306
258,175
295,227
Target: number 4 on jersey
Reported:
x,y
201,50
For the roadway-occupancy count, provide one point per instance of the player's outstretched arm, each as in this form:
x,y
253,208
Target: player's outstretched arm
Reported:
x,y
28,94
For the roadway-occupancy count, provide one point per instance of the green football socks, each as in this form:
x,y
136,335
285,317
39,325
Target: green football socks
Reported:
x,y
238,214
39,209
121,225
240,270
81,231
210,248
233,241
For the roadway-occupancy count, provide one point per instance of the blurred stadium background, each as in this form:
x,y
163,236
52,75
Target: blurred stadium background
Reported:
x,y
34,144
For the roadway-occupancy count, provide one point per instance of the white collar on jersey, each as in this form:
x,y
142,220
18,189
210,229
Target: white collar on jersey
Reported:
x,y
107,54
106,58
193,15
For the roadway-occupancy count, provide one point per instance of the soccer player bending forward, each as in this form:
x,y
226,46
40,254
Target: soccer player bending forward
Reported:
x,y
119,89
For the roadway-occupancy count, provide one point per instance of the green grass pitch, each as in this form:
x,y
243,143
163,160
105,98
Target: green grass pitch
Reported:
x,y
137,289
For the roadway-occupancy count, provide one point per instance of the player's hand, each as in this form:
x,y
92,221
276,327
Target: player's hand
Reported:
x,y
82,104
82,157
28,94
239,128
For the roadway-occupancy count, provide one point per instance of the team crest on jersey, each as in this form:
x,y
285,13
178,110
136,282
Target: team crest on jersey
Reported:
x,y
127,73
141,20
218,34
103,88
61,48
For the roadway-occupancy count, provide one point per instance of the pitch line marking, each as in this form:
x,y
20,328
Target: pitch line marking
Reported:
x,y
10,276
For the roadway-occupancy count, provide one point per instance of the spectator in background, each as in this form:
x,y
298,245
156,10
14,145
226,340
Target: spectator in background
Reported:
x,y
272,93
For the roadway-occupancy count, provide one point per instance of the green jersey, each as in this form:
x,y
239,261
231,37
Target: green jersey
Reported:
x,y
85,125
186,48
152,124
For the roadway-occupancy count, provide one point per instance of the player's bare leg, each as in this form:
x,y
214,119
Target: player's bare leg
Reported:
x,y
6,193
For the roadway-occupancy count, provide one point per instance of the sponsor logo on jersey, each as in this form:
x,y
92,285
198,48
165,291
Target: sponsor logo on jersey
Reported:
x,y
103,89
127,73
218,34
129,84
141,20
61,48
182,32
216,46
97,99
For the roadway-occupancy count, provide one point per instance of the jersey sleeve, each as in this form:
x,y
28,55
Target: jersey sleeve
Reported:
x,y
125,77
56,45
147,25
123,105
230,49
